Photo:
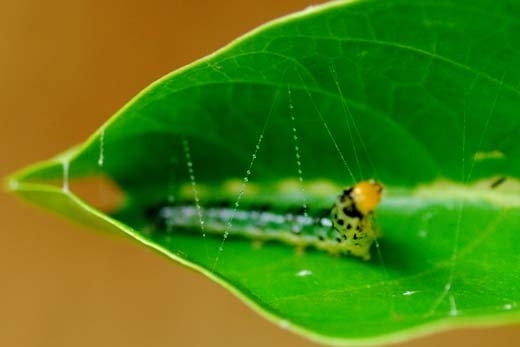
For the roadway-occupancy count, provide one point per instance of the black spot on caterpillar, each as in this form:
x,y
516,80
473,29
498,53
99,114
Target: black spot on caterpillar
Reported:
x,y
346,228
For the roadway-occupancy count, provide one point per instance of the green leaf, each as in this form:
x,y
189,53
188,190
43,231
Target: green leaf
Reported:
x,y
421,96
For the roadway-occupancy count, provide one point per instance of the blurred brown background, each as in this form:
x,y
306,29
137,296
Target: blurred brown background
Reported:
x,y
65,67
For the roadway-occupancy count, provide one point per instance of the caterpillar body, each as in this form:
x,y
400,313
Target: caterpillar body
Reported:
x,y
346,228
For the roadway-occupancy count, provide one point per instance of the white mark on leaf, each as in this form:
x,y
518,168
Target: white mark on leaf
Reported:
x,y
65,186
453,306
409,292
284,324
101,158
303,273
425,223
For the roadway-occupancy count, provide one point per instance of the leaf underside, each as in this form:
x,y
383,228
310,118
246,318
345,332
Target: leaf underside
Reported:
x,y
422,96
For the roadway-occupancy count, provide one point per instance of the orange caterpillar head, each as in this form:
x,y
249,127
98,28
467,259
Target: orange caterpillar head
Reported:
x,y
366,196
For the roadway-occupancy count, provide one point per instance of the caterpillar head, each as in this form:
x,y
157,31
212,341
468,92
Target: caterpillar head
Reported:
x,y
366,195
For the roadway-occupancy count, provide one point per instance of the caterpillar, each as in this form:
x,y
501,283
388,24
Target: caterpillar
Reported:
x,y
345,228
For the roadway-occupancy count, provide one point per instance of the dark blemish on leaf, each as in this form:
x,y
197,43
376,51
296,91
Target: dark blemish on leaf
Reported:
x,y
260,208
221,204
323,213
341,221
301,211
498,182
152,212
